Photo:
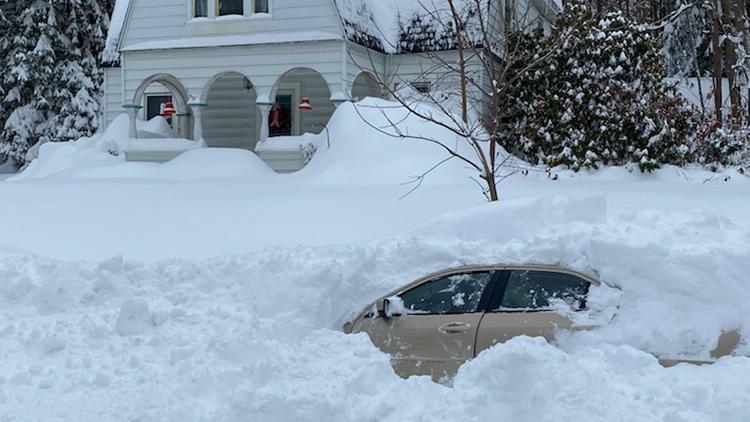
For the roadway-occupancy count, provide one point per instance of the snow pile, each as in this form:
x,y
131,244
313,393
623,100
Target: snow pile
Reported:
x,y
99,150
102,157
195,164
158,127
366,149
360,147
257,336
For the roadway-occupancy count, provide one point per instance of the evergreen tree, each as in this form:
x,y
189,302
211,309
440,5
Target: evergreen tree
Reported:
x,y
52,79
598,100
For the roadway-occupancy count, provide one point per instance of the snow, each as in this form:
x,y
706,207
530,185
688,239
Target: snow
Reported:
x,y
162,144
116,25
689,89
233,40
288,143
387,24
210,288
157,127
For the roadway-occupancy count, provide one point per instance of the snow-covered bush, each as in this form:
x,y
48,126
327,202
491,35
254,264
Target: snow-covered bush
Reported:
x,y
716,146
50,87
598,100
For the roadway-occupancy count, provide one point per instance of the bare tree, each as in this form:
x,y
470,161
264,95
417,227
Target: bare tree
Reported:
x,y
477,71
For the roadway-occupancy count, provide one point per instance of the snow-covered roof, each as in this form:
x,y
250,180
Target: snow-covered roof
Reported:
x,y
390,26
111,52
395,26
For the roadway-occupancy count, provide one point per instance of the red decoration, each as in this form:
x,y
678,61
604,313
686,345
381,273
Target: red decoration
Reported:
x,y
305,105
169,110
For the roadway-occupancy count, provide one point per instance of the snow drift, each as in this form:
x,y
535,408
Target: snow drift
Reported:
x,y
366,149
257,336
360,147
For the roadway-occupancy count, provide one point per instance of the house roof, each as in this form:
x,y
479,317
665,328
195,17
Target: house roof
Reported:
x,y
111,52
400,26
389,26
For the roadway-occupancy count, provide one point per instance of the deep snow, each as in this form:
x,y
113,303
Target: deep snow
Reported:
x,y
209,289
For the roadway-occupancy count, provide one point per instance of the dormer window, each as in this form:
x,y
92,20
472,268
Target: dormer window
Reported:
x,y
200,8
217,8
261,6
230,7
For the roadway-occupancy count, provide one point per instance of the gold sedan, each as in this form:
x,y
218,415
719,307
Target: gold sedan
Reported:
x,y
436,323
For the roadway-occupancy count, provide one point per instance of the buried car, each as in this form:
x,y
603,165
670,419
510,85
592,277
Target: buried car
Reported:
x,y
436,323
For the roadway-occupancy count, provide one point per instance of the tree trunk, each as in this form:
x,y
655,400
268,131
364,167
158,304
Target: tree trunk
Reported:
x,y
741,30
717,76
730,54
461,62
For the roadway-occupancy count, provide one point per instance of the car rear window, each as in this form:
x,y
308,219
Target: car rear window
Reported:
x,y
537,290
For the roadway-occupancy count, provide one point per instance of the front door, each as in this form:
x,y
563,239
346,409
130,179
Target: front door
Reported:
x,y
284,118
523,305
438,331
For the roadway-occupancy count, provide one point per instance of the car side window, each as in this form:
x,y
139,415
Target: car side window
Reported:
x,y
453,294
536,290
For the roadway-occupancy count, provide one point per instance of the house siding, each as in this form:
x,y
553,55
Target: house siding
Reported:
x,y
230,120
408,68
151,20
112,103
261,64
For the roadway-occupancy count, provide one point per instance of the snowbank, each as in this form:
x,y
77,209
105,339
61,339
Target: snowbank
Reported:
x,y
102,157
101,150
359,148
196,164
365,149
257,336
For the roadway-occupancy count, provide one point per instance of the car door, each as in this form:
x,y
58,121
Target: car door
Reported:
x,y
437,333
522,305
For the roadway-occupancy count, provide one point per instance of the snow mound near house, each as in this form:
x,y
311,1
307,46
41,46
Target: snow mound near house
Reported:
x,y
101,150
102,157
195,164
365,148
257,336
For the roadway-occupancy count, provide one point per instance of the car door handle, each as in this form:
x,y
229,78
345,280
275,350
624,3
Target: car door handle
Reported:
x,y
454,328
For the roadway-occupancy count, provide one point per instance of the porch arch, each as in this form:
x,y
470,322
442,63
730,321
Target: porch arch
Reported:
x,y
231,117
179,96
366,85
295,84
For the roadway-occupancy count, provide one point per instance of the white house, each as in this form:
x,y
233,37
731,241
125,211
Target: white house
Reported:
x,y
236,71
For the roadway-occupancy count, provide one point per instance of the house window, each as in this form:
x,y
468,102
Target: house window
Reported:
x,y
200,8
423,87
155,104
261,6
230,7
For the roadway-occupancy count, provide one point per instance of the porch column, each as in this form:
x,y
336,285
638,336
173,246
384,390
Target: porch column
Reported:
x,y
132,110
181,124
197,120
265,110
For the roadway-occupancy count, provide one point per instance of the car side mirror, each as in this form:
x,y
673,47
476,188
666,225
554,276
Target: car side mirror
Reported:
x,y
393,307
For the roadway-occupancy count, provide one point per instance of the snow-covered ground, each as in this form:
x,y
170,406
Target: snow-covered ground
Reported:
x,y
210,289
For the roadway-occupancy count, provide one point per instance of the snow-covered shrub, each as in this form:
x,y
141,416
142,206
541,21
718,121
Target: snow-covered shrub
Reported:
x,y
598,100
716,146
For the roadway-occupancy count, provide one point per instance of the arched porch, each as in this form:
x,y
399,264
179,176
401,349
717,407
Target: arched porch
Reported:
x,y
366,85
231,118
152,95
